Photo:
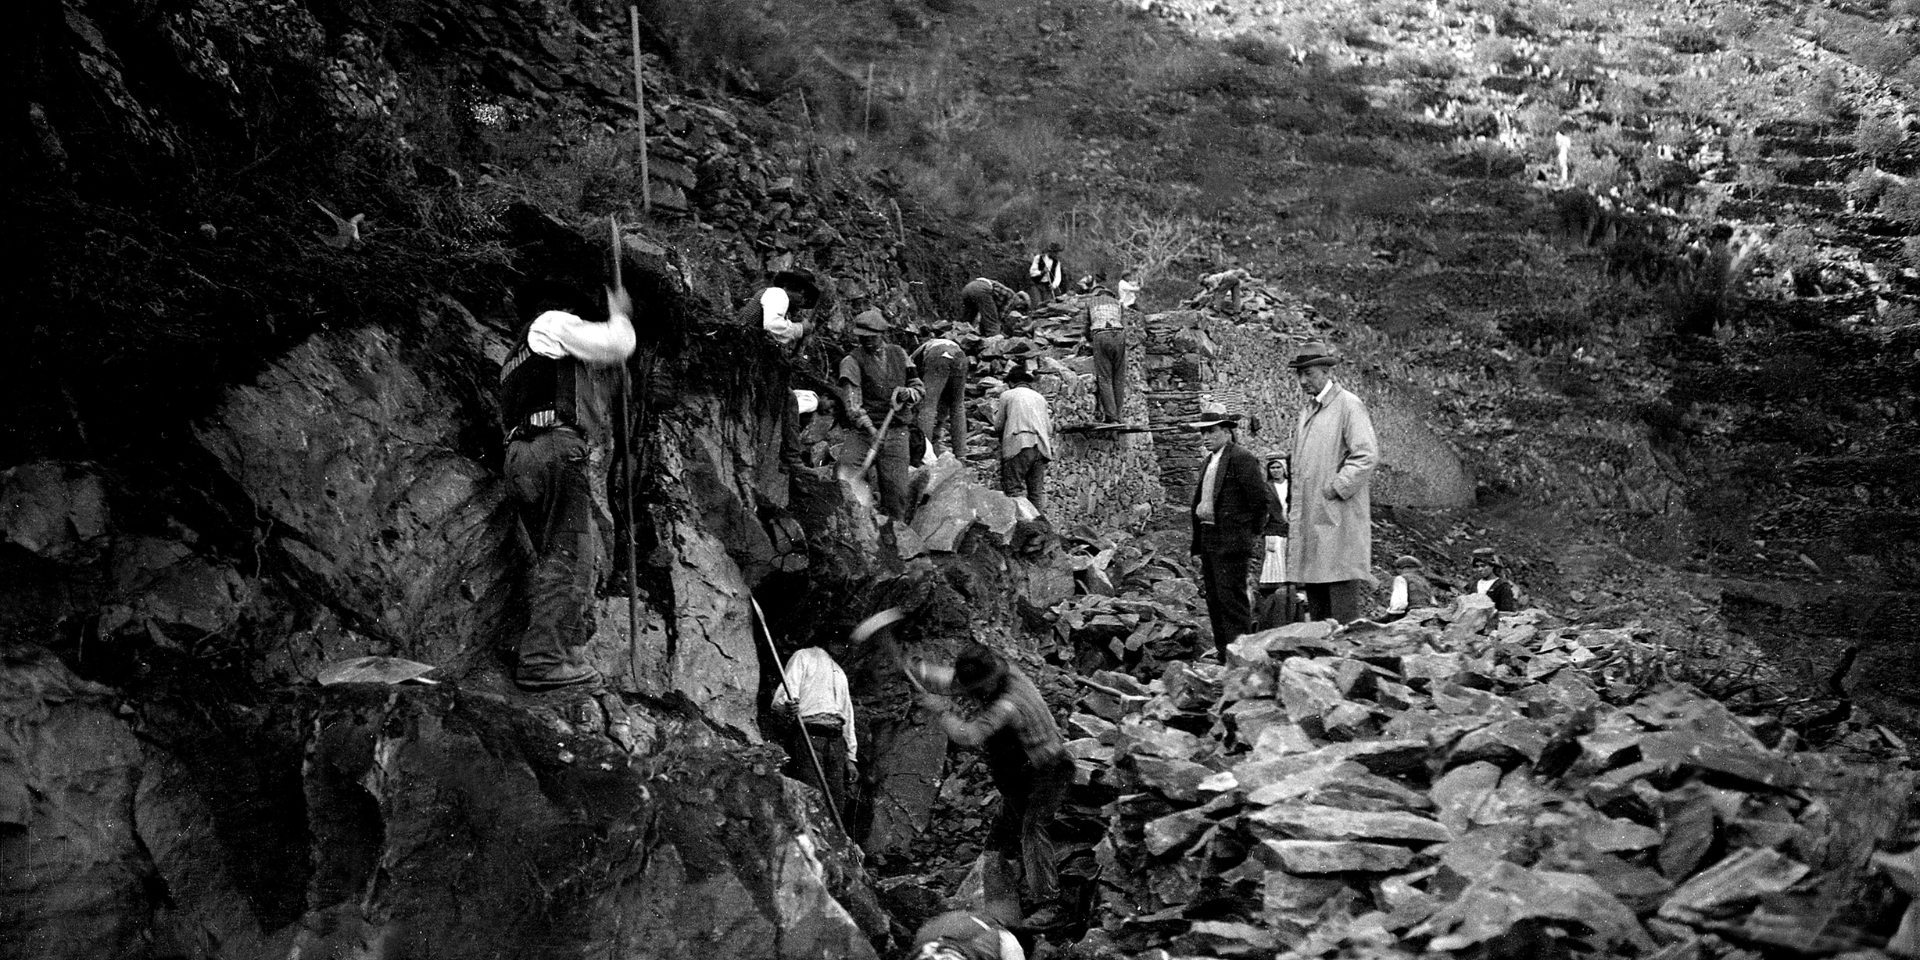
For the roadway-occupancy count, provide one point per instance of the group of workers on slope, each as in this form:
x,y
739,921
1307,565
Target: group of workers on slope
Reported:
x,y
1308,513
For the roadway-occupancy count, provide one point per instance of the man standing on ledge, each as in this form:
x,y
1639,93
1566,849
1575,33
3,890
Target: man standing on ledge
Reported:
x,y
1331,548
1229,513
875,378
547,399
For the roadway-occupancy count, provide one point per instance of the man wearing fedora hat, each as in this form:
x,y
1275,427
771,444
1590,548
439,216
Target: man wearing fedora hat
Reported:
x,y
1330,551
777,306
1046,273
1229,514
878,377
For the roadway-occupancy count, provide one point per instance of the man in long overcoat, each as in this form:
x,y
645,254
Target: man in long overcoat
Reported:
x,y
1229,513
1330,546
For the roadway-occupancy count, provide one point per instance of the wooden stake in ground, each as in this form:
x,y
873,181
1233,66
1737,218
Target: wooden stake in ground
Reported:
x,y
640,104
866,113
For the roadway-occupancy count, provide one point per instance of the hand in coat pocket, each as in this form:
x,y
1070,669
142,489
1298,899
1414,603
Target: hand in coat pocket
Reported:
x,y
1332,492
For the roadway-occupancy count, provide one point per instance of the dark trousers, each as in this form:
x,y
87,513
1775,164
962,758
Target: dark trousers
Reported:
x,y
1110,373
1339,600
978,307
547,482
890,471
1030,799
944,403
831,747
1228,608
1025,473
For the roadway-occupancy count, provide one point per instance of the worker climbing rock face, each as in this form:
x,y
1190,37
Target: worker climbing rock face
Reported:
x,y
547,399
777,308
1025,428
882,388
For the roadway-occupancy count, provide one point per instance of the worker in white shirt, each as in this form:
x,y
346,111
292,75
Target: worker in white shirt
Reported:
x,y
815,696
777,307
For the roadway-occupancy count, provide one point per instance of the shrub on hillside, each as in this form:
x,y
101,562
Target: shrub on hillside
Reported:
x,y
1864,188
1256,50
1884,55
1878,137
1900,202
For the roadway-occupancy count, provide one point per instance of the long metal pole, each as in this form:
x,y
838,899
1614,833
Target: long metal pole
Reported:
x,y
640,103
766,635
623,409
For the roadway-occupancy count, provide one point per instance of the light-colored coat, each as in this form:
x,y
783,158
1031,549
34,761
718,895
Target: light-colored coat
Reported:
x,y
1331,517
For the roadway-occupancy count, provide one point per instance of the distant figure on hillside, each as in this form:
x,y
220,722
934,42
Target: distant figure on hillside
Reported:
x,y
1025,427
816,700
1411,589
1276,605
1230,505
777,307
877,378
988,305
1489,580
1103,329
1046,273
1330,551
1128,289
943,371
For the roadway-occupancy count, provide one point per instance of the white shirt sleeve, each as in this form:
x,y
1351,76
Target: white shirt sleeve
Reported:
x,y
557,334
774,307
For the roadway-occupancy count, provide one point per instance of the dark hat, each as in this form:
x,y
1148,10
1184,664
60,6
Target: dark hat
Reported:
x,y
1313,353
1406,561
979,671
1020,374
799,280
537,296
1054,246
1487,556
871,321
1213,414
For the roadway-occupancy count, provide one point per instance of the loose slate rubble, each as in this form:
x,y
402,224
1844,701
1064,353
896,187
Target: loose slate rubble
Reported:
x,y
1426,788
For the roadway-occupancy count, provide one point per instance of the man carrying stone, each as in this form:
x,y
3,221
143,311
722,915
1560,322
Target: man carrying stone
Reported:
x,y
1229,514
1104,332
988,305
878,377
1330,551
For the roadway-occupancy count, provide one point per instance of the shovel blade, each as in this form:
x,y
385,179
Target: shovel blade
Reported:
x,y
855,481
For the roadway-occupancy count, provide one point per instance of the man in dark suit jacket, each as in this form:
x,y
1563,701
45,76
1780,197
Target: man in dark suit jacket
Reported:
x,y
1229,512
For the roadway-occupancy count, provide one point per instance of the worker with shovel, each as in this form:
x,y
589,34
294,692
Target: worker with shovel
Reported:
x,y
881,384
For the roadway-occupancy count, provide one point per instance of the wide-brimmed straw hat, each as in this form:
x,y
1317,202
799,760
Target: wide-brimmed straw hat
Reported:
x,y
1313,353
1487,556
1213,414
